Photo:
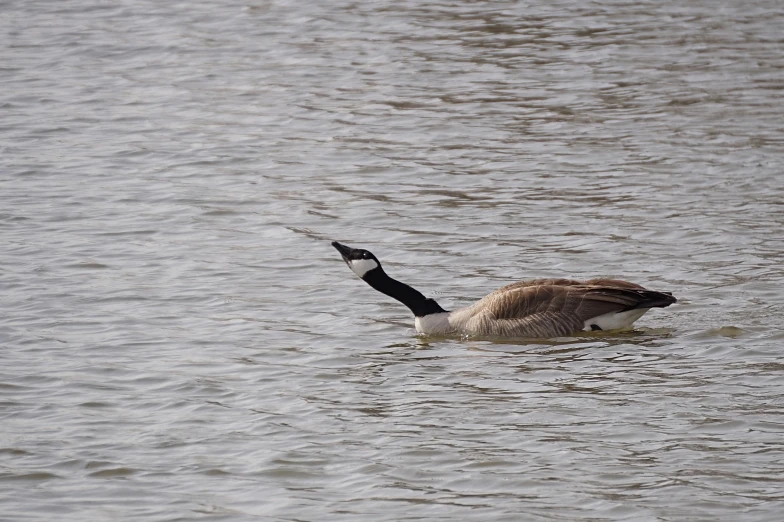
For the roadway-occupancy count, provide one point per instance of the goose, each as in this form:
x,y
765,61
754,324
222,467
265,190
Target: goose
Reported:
x,y
538,308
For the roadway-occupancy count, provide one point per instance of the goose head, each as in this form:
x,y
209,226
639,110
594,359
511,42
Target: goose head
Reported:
x,y
361,262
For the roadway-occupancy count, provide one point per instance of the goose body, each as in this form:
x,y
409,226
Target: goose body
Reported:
x,y
539,308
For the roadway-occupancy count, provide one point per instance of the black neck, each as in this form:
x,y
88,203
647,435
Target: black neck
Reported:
x,y
414,300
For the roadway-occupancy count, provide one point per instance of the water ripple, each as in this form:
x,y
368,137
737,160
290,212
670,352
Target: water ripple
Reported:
x,y
180,341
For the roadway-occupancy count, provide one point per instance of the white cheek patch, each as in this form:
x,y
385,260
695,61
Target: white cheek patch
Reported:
x,y
362,266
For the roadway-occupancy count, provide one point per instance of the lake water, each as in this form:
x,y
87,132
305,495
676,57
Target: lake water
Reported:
x,y
179,341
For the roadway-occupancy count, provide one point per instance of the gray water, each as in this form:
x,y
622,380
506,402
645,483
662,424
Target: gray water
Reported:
x,y
178,340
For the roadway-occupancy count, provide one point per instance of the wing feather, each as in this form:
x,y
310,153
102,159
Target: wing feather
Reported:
x,y
556,307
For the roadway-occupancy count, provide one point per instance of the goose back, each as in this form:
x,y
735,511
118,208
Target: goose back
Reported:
x,y
553,307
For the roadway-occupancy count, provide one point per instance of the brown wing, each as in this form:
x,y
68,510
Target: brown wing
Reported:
x,y
550,308
609,283
613,283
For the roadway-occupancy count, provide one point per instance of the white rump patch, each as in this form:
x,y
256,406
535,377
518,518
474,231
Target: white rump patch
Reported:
x,y
615,320
362,266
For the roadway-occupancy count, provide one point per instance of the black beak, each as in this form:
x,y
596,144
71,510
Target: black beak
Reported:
x,y
343,249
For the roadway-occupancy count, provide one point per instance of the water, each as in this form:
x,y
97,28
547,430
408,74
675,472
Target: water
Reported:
x,y
180,341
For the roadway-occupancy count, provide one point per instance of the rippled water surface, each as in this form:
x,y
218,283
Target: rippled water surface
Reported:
x,y
180,342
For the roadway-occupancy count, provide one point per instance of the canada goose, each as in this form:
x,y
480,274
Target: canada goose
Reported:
x,y
538,308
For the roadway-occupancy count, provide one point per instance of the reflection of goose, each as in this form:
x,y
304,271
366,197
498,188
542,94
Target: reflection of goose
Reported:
x,y
537,308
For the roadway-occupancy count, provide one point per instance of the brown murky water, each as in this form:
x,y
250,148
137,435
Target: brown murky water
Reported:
x,y
180,342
